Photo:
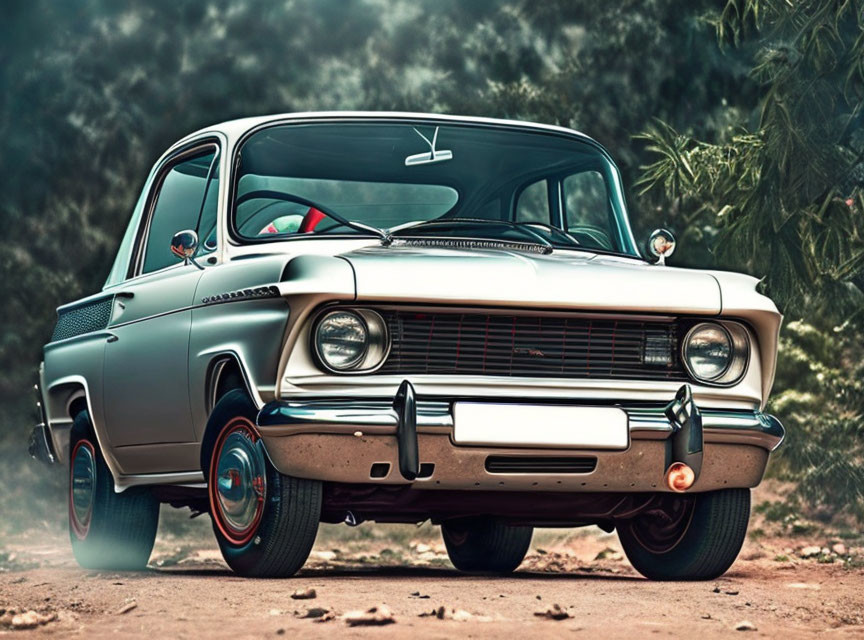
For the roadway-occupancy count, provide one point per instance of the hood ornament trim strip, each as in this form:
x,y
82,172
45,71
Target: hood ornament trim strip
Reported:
x,y
471,243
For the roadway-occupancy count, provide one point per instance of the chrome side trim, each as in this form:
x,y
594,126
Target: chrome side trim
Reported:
x,y
282,418
186,478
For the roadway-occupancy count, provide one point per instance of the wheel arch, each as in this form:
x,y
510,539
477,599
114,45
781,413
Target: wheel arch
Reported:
x,y
225,373
64,399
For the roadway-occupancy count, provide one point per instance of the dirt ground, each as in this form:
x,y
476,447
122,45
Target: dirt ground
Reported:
x,y
772,591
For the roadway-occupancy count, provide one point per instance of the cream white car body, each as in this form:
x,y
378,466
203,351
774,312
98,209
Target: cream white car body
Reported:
x,y
148,367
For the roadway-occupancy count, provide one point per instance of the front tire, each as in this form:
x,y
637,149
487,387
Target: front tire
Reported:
x,y
695,537
485,545
265,522
108,530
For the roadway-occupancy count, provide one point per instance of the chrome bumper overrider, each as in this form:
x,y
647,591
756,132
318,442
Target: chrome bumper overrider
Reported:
x,y
379,417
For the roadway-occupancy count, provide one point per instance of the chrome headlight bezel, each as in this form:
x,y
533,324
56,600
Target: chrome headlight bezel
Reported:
x,y
739,357
377,345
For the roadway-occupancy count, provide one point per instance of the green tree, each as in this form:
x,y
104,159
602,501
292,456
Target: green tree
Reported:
x,y
785,197
821,398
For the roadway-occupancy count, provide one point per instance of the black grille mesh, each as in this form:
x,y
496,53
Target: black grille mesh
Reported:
x,y
528,346
84,319
526,464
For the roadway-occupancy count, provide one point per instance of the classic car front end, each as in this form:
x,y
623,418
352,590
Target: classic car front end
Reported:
x,y
381,328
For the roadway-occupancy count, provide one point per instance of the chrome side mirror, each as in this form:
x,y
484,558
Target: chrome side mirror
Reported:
x,y
184,244
661,244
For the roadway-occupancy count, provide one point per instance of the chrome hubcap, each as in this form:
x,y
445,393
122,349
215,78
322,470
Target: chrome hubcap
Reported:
x,y
240,483
83,485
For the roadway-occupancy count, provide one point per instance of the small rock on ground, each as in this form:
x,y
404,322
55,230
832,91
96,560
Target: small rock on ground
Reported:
x,y
448,613
126,608
375,616
555,612
26,619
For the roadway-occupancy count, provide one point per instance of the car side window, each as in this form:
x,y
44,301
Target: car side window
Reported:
x,y
533,203
207,223
585,200
588,214
178,206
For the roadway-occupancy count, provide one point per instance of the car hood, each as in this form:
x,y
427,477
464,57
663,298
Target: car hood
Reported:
x,y
563,279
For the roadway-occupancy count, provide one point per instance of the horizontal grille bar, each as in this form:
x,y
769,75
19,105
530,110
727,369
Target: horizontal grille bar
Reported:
x,y
531,346
539,464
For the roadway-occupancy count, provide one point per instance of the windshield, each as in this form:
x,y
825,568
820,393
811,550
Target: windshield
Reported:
x,y
427,180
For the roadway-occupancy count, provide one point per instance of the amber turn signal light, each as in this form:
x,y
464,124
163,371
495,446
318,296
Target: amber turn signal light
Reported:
x,y
680,477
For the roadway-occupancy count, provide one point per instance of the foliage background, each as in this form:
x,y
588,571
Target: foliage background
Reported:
x,y
737,124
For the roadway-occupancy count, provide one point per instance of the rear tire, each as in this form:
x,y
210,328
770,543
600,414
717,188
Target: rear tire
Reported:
x,y
108,530
698,538
265,522
485,545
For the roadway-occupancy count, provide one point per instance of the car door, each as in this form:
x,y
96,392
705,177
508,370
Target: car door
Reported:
x,y
146,379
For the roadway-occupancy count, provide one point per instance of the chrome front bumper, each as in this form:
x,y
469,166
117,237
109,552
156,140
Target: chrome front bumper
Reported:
x,y
377,417
309,438
411,441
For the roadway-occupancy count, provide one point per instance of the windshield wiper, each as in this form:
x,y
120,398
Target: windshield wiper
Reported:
x,y
359,226
535,237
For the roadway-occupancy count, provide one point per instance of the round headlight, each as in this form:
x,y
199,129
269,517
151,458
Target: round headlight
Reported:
x,y
708,351
341,340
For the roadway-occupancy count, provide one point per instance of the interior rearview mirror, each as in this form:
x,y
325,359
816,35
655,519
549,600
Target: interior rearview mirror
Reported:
x,y
432,156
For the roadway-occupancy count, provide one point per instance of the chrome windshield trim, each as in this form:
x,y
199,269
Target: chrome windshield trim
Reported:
x,y
395,117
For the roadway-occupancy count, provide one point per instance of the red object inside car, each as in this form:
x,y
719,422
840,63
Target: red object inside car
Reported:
x,y
311,220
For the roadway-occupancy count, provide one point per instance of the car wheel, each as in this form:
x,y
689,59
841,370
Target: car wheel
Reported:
x,y
265,522
483,545
108,530
693,537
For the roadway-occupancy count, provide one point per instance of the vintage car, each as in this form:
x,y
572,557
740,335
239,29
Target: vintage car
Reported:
x,y
397,317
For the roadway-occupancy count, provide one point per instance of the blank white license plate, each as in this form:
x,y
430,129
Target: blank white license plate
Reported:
x,y
539,425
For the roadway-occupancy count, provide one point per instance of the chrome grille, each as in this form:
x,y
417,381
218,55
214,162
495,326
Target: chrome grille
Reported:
x,y
529,346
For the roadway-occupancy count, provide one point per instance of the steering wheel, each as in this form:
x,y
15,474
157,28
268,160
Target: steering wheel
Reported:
x,y
313,216
311,219
592,236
